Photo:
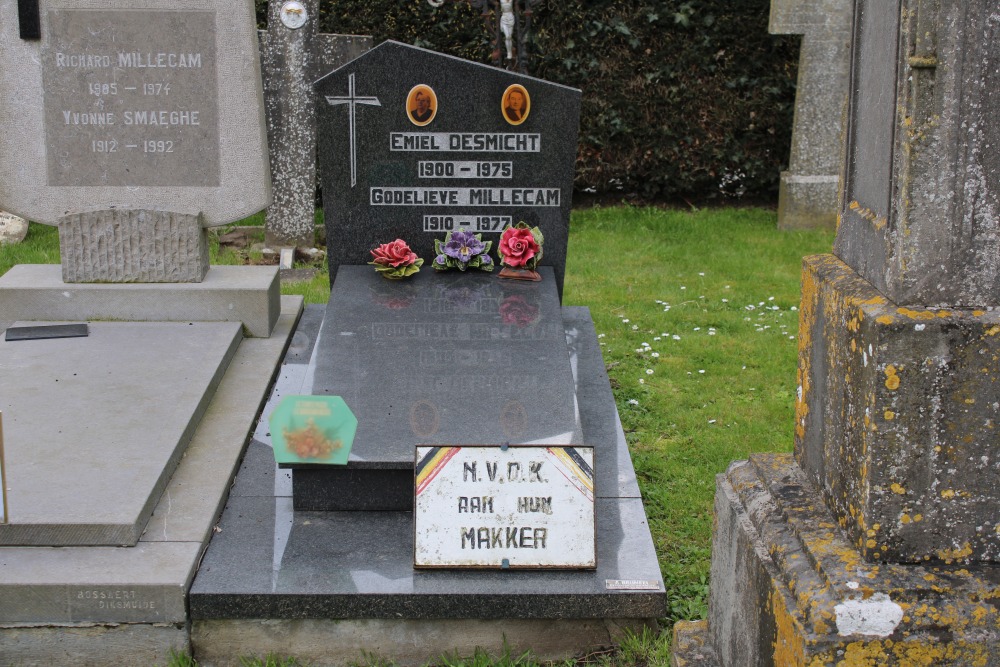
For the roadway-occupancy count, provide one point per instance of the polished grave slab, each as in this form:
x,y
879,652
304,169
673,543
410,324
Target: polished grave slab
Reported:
x,y
440,359
334,582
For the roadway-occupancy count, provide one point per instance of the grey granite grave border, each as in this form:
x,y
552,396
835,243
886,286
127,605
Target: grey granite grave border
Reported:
x,y
412,628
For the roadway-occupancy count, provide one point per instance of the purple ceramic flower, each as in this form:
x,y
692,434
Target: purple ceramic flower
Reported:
x,y
463,246
441,260
485,259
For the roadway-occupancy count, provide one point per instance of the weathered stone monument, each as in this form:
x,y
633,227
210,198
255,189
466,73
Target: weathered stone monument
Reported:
x,y
878,543
437,361
294,54
807,195
132,129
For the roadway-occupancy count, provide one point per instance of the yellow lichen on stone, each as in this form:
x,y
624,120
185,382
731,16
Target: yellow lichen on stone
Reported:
x,y
916,314
863,654
889,415
884,319
950,555
948,493
891,379
897,489
993,331
788,642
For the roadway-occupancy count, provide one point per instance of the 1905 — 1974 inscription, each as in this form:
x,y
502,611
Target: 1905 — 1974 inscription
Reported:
x,y
133,96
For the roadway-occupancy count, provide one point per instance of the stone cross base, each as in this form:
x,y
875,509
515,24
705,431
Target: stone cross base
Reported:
x,y
896,419
133,246
789,589
807,201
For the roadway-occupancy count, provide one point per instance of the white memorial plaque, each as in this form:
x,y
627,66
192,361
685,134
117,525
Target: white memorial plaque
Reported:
x,y
521,507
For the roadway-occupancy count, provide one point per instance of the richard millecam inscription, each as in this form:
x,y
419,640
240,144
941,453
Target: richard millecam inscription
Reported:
x,y
134,92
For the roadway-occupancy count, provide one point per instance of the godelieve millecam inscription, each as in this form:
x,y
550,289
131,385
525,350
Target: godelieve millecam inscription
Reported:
x,y
131,98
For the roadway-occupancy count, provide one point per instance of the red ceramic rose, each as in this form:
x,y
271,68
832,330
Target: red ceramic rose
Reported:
x,y
395,260
520,246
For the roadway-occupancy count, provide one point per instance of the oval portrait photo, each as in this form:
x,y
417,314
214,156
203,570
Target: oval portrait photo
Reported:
x,y
516,104
421,104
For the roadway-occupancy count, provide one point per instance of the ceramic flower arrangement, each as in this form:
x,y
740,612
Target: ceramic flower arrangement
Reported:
x,y
395,260
520,251
462,250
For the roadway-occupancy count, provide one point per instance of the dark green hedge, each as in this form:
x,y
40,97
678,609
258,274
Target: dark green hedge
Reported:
x,y
681,99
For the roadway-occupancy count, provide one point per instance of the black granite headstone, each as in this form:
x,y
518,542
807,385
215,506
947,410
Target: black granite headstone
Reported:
x,y
414,144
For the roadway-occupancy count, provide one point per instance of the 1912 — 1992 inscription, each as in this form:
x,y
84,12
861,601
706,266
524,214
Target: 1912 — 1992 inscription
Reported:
x,y
131,98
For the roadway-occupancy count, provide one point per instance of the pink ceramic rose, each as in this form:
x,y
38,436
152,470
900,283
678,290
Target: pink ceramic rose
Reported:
x,y
395,260
394,254
517,246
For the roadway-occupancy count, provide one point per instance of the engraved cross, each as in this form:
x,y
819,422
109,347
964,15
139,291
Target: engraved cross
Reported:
x,y
352,100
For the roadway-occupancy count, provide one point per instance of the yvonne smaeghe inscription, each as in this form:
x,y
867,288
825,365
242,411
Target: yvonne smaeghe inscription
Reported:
x,y
505,507
133,92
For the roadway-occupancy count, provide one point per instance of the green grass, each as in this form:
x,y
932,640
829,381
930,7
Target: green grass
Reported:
x,y
707,300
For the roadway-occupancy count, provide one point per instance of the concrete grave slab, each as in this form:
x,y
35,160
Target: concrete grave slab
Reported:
x,y
127,605
246,294
325,585
95,426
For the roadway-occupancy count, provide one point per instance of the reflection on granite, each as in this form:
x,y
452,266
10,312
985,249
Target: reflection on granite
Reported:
x,y
456,358
360,565
273,560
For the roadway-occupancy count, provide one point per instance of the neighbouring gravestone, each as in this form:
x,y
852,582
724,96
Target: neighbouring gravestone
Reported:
x,y
131,128
414,144
807,195
293,56
880,540
136,128
13,229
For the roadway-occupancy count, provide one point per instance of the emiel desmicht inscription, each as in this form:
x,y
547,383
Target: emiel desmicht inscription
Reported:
x,y
514,507
131,98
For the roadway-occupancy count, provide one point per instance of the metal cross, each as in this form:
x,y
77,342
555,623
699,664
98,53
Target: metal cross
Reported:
x,y
351,100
